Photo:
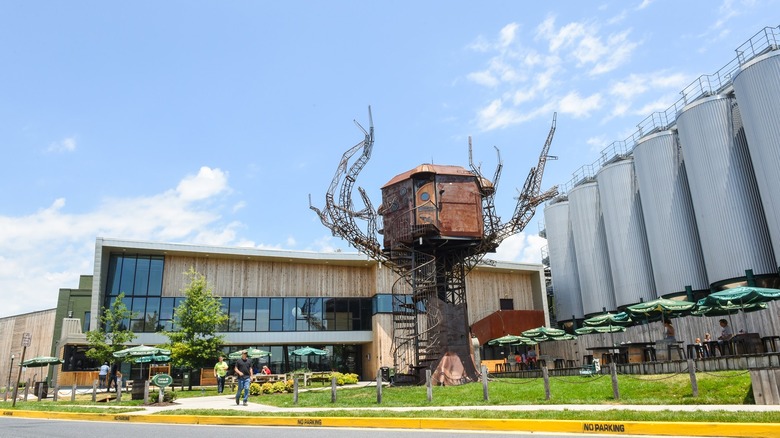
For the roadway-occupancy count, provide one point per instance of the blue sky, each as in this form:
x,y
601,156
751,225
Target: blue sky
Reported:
x,y
212,122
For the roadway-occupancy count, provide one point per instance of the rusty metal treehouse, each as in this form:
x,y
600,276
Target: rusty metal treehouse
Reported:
x,y
439,222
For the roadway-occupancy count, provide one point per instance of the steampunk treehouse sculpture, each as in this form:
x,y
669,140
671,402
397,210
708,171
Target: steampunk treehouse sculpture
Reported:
x,y
439,222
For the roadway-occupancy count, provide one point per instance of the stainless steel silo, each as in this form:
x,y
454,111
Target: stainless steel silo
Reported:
x,y
629,256
672,234
757,87
590,245
563,261
732,226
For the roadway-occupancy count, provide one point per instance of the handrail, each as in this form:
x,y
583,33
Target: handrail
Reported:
x,y
764,41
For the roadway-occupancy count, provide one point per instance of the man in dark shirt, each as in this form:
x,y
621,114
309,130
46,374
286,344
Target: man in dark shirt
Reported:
x,y
243,369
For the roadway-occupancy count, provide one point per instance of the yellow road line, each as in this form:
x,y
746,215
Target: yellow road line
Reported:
x,y
560,426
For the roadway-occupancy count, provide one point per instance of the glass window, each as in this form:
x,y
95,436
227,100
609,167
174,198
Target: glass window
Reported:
x,y
225,308
156,266
236,307
112,283
275,325
128,276
166,308
86,322
139,307
248,325
276,308
383,303
141,285
289,314
300,311
250,308
263,314
152,315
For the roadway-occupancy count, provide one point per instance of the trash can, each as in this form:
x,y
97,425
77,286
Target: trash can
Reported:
x,y
138,389
185,381
44,385
385,373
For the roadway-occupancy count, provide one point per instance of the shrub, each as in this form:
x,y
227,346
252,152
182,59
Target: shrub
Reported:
x,y
279,387
267,388
168,396
289,385
350,379
255,389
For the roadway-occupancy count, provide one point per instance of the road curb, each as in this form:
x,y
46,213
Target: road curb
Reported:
x,y
703,429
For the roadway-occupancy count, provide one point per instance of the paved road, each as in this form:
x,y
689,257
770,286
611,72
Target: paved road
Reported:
x,y
32,428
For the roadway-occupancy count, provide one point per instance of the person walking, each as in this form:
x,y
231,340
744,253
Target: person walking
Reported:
x,y
112,376
220,371
243,369
103,375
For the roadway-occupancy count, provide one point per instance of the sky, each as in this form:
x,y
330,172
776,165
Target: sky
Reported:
x,y
212,122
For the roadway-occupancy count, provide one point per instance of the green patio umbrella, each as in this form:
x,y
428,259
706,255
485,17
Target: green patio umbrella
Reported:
x,y
543,331
542,334
153,359
606,329
609,319
745,298
42,361
139,351
251,352
659,309
512,340
309,351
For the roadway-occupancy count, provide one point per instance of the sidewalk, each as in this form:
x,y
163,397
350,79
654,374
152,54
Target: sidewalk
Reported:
x,y
255,405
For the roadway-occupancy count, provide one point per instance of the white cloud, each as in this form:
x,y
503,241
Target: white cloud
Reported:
x,y
50,248
64,145
208,182
522,247
583,42
578,106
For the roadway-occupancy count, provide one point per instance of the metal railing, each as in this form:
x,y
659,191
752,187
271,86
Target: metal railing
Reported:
x,y
764,41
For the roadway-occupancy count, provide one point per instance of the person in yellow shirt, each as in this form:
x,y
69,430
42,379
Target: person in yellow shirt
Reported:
x,y
220,371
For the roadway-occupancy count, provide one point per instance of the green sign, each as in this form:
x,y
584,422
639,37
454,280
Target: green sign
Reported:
x,y
162,380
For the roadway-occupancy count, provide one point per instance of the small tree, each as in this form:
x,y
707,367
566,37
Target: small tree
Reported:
x,y
196,320
112,333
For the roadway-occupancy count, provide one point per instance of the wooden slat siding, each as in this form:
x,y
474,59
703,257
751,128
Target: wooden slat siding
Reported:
x,y
484,289
251,278
381,348
41,326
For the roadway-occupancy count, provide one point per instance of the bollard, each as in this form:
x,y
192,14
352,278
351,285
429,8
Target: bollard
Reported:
x,y
428,384
56,392
379,386
94,391
73,392
146,392
26,389
333,389
40,391
295,391
692,373
615,389
485,395
546,376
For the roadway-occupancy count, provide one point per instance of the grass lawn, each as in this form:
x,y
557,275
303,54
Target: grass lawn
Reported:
x,y
715,388
729,388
